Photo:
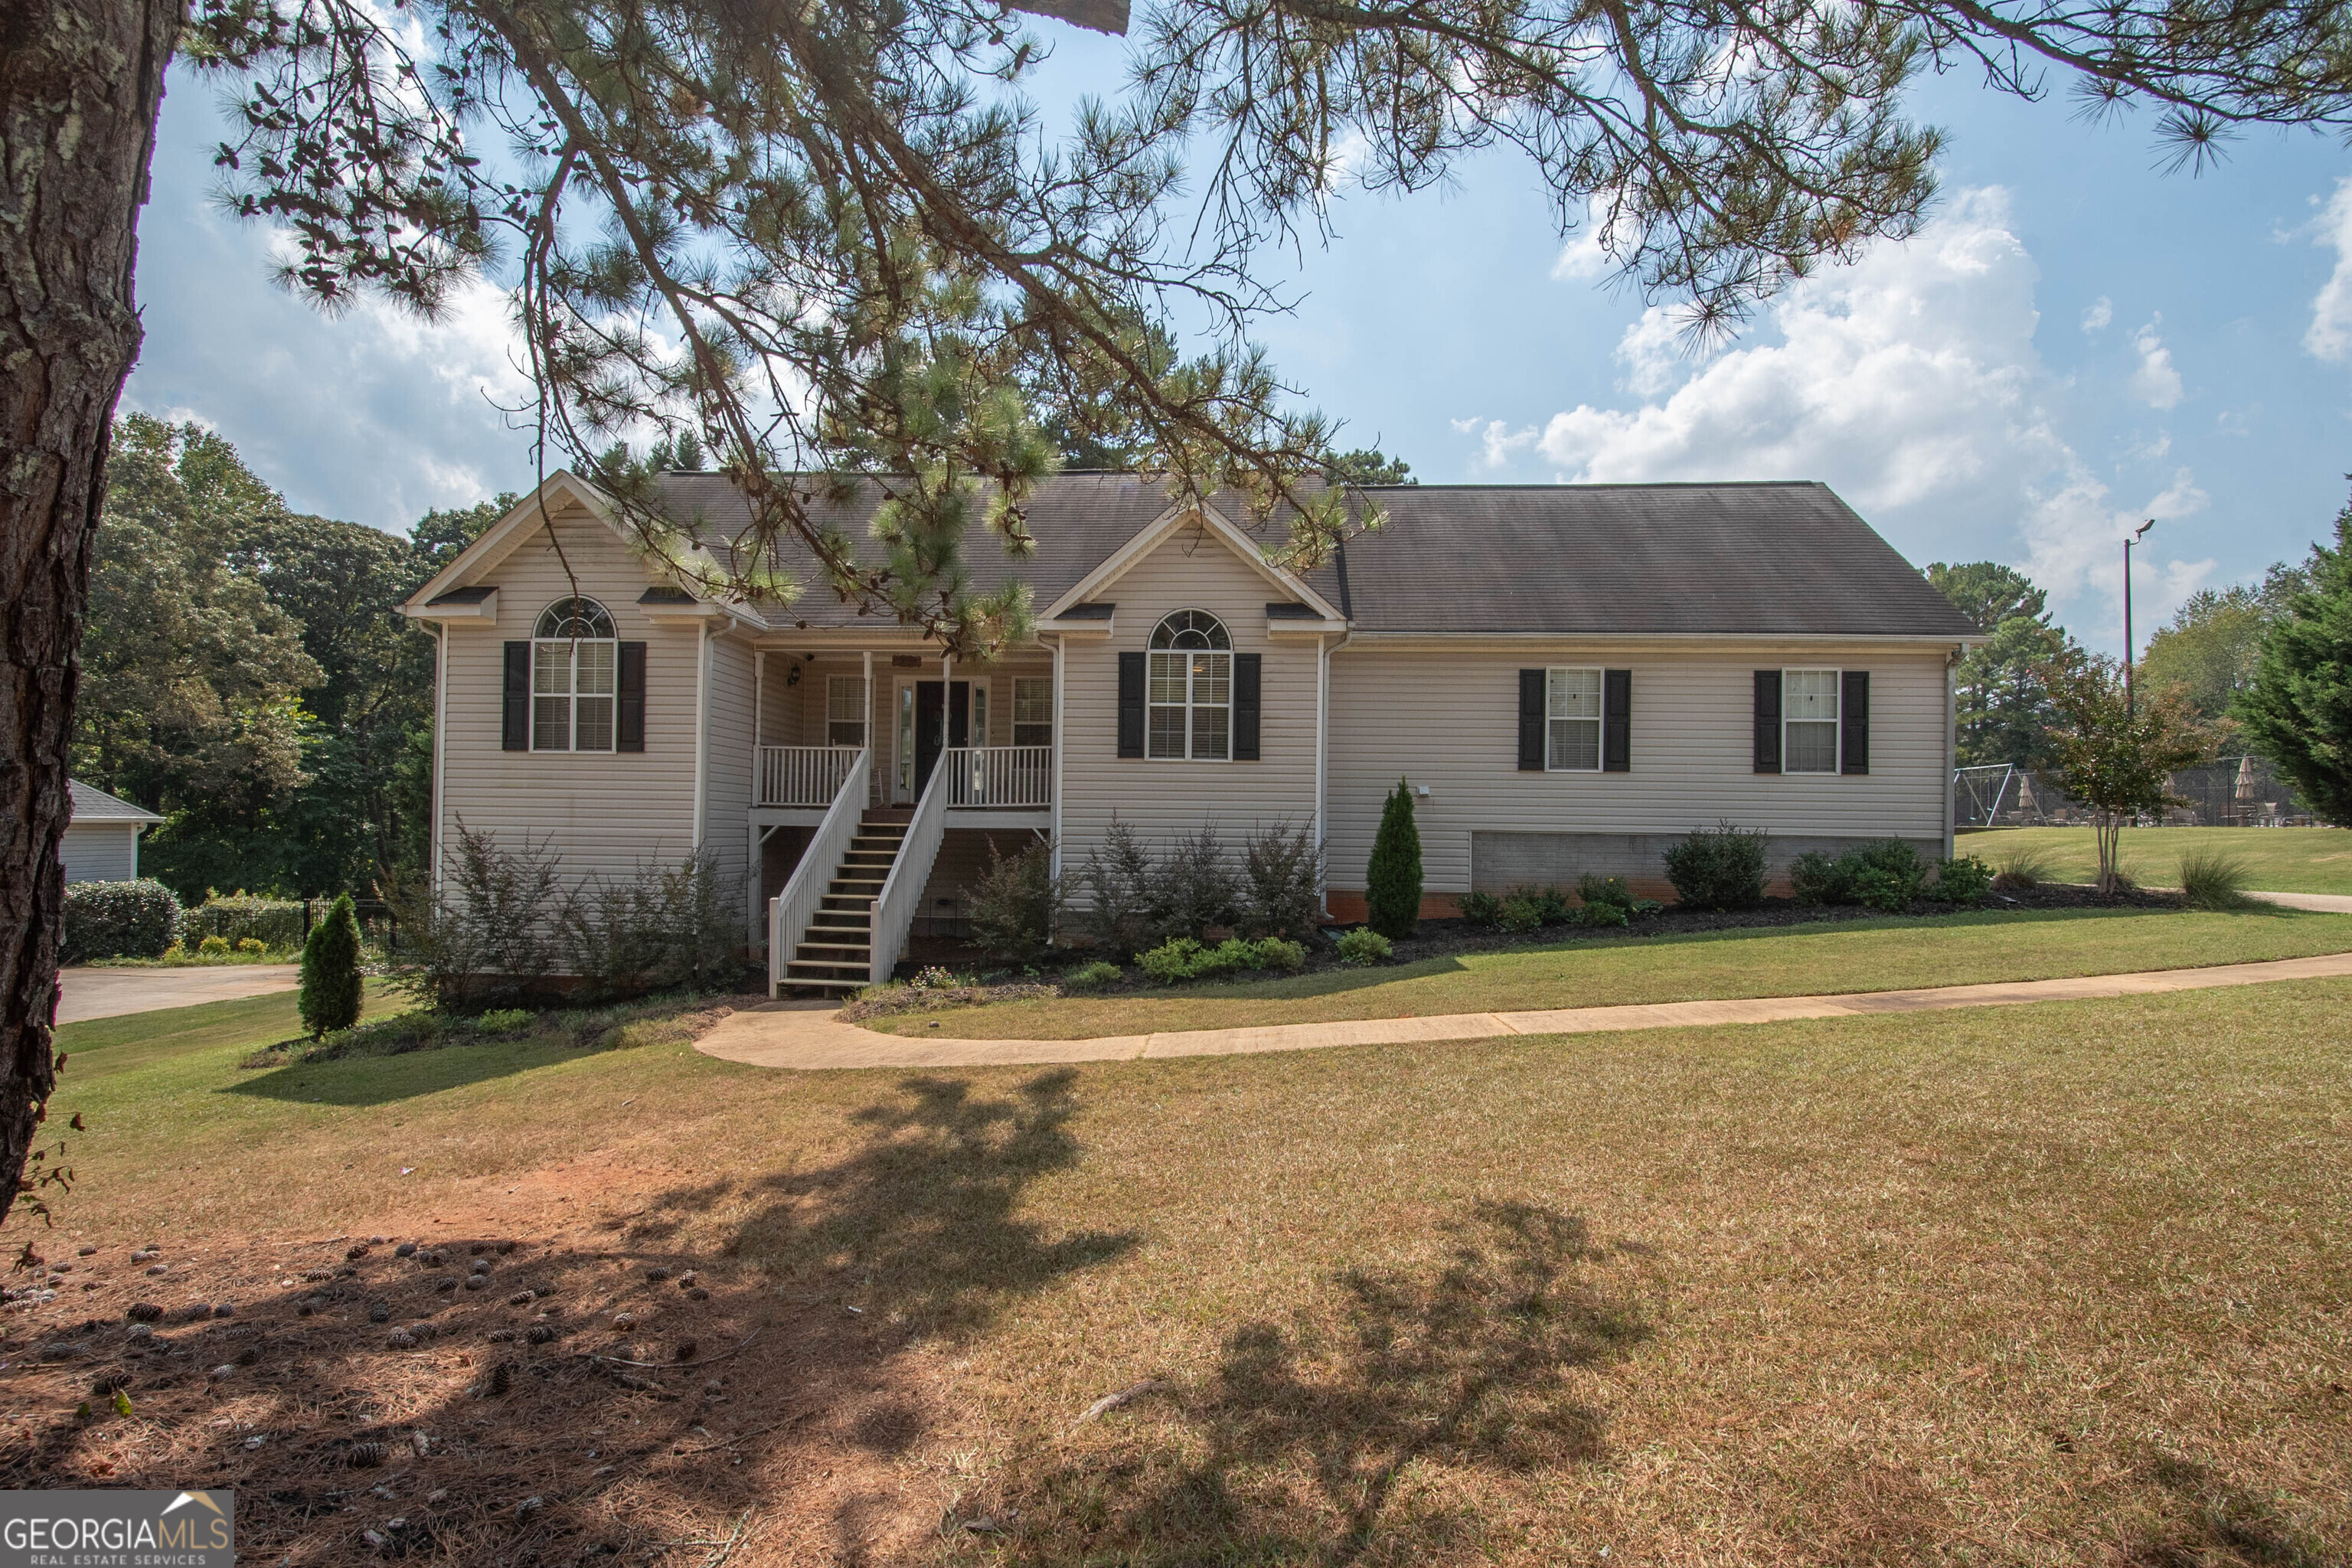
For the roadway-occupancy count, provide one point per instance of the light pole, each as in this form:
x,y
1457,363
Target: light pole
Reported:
x,y
2130,649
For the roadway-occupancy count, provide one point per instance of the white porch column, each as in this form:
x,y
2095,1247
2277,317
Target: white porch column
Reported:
x,y
877,789
701,729
1058,646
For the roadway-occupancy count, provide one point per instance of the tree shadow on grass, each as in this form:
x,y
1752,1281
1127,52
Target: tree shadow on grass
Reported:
x,y
1302,1444
2220,1523
372,1080
741,1396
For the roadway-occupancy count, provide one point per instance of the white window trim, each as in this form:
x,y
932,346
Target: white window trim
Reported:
x,y
1046,723
864,722
1836,722
1189,705
571,692
1599,720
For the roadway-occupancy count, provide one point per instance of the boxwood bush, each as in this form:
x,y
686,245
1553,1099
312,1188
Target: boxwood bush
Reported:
x,y
1718,867
119,920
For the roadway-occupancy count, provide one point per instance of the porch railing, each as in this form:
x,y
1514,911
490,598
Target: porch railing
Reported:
x,y
804,775
998,776
790,911
902,890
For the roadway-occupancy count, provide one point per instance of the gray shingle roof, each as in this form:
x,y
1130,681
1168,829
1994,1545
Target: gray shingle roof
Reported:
x,y
96,806
1772,558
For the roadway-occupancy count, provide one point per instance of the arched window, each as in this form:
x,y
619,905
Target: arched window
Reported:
x,y
574,660
1192,688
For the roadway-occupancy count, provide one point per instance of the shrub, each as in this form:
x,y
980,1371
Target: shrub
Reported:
x,y
1016,903
663,927
1364,946
329,997
1118,879
1197,886
1962,879
1519,914
1392,880
252,945
504,1020
1276,953
2213,880
1818,879
1172,960
1604,916
2022,868
491,932
1884,874
1610,890
273,922
119,920
1481,909
1093,976
213,947
1718,867
1282,877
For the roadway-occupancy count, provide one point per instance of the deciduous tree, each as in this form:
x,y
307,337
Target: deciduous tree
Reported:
x,y
2114,756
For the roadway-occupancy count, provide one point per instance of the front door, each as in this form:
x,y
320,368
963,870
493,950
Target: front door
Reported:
x,y
939,724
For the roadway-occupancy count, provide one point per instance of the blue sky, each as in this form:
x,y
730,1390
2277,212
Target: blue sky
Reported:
x,y
2076,342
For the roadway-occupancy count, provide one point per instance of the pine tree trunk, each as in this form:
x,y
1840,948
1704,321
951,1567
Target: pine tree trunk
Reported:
x,y
81,84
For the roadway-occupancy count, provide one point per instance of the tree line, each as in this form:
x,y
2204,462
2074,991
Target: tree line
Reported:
x,y
2264,666
246,675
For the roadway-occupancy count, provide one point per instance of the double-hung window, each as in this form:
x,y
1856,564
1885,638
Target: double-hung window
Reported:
x,y
1573,703
845,710
1809,720
1191,689
574,667
1032,710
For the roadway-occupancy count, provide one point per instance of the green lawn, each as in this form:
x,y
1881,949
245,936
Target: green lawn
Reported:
x,y
2026,1285
1860,955
2277,860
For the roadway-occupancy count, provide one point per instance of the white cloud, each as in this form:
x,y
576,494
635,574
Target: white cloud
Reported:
x,y
2155,382
2101,313
1910,382
2329,336
1586,255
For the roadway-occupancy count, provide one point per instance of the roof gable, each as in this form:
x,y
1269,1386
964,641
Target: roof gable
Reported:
x,y
1214,525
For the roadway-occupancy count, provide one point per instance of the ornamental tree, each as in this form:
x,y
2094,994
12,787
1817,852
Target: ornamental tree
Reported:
x,y
2113,758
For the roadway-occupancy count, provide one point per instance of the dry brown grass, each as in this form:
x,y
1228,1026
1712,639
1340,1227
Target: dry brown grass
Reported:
x,y
2052,1284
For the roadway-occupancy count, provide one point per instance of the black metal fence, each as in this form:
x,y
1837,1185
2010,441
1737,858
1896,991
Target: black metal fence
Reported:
x,y
2230,791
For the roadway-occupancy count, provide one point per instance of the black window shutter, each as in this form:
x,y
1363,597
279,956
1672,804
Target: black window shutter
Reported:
x,y
515,730
1616,721
1531,720
1853,717
1768,721
629,731
1131,704
1246,670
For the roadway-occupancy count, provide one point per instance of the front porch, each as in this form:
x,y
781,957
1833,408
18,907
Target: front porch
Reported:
x,y
982,787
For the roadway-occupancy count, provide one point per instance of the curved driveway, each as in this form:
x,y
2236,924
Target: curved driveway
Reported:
x,y
110,993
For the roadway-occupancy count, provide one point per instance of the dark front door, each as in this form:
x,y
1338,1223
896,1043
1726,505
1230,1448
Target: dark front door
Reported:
x,y
935,730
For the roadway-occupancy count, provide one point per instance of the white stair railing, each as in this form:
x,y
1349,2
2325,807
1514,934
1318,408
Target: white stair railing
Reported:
x,y
902,892
804,775
792,910
999,775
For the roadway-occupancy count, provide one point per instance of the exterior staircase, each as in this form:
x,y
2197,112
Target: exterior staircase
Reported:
x,y
835,955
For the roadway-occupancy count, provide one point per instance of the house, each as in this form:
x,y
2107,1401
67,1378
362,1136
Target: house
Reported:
x,y
1569,677
101,839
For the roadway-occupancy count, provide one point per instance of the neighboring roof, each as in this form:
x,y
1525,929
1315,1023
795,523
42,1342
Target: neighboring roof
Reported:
x,y
1779,558
1774,558
97,806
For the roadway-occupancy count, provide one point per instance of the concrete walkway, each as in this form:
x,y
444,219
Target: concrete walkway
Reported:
x,y
2318,903
110,993
804,1036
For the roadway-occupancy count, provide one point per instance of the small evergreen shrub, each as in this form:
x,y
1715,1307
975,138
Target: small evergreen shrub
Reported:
x,y
1175,959
1182,958
213,947
1364,946
1610,890
504,1020
1604,916
1392,880
1884,874
1278,953
1197,886
331,984
120,920
1718,867
1118,882
1519,914
1282,878
1818,879
1014,904
1092,977
1481,909
1962,879
2211,880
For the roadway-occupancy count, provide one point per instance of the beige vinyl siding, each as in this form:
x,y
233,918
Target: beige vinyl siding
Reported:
x,y
1161,799
602,812
100,851
729,778
1450,720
